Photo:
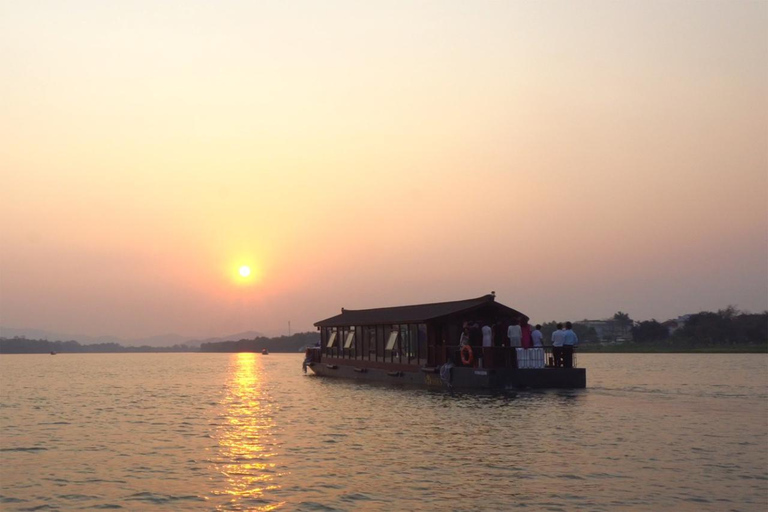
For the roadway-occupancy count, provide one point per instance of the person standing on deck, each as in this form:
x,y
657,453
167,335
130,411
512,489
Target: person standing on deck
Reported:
x,y
464,340
558,337
487,336
475,335
487,357
537,337
499,334
514,333
525,335
570,340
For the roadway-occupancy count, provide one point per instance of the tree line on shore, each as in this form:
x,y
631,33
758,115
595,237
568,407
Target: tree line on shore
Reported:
x,y
727,326
724,328
293,343
19,345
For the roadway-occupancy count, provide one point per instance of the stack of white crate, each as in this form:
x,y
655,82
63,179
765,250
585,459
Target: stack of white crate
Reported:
x,y
530,358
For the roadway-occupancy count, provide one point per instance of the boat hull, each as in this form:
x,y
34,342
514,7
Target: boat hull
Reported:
x,y
463,377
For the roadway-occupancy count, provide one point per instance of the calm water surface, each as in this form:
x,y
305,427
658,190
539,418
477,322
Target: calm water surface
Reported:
x,y
251,432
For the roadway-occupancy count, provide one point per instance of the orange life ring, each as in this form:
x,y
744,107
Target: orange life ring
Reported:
x,y
467,357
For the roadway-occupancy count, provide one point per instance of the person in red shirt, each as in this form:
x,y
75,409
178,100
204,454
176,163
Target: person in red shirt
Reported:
x,y
526,340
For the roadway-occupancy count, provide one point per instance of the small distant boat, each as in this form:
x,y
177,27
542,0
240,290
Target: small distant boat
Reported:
x,y
264,352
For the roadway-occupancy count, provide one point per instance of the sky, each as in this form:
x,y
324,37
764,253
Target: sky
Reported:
x,y
577,158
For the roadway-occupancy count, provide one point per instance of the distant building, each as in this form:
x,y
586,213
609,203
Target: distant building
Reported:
x,y
677,323
671,326
609,330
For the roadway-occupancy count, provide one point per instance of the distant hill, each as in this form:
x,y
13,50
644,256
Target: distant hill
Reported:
x,y
232,337
40,334
293,343
30,346
162,340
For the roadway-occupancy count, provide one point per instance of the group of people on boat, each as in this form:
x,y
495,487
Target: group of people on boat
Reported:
x,y
520,334
563,342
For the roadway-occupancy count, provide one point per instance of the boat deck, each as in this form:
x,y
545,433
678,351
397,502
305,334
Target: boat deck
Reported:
x,y
460,377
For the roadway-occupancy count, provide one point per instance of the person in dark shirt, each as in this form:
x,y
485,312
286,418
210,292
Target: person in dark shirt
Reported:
x,y
570,340
475,335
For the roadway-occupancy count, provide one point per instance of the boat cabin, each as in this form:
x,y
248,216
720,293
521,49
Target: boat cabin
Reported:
x,y
408,337
422,345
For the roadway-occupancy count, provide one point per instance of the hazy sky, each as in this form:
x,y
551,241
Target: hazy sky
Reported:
x,y
578,158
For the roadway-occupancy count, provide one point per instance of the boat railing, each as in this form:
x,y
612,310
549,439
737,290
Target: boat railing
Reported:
x,y
504,357
485,357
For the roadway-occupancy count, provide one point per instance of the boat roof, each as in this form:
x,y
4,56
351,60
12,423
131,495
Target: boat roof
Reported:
x,y
417,313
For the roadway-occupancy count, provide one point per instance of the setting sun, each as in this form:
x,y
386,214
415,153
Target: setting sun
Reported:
x,y
242,270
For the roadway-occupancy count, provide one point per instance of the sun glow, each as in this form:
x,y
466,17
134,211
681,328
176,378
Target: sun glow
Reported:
x,y
242,269
245,274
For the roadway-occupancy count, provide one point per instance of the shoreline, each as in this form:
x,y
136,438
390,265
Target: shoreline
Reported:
x,y
580,350
655,349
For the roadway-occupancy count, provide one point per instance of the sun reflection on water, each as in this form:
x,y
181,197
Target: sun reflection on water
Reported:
x,y
245,438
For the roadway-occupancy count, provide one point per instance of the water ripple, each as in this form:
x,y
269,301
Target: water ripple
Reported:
x,y
245,432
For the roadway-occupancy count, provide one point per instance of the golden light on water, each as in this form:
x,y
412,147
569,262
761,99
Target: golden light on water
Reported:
x,y
244,437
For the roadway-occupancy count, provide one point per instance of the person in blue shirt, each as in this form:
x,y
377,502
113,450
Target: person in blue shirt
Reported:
x,y
570,340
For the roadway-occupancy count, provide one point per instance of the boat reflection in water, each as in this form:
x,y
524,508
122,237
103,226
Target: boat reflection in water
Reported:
x,y
244,439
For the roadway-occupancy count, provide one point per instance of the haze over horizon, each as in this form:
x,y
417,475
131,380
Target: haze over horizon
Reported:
x,y
577,158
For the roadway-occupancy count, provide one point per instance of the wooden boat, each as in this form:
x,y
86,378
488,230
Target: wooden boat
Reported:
x,y
420,345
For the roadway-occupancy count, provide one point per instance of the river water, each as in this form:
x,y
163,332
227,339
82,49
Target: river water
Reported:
x,y
251,432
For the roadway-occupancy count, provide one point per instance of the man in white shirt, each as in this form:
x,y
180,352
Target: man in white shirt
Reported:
x,y
536,336
487,331
487,336
515,334
558,338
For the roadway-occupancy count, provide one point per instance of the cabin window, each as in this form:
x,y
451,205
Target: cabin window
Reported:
x,y
350,339
413,349
451,334
405,342
392,340
381,338
422,345
369,343
331,339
